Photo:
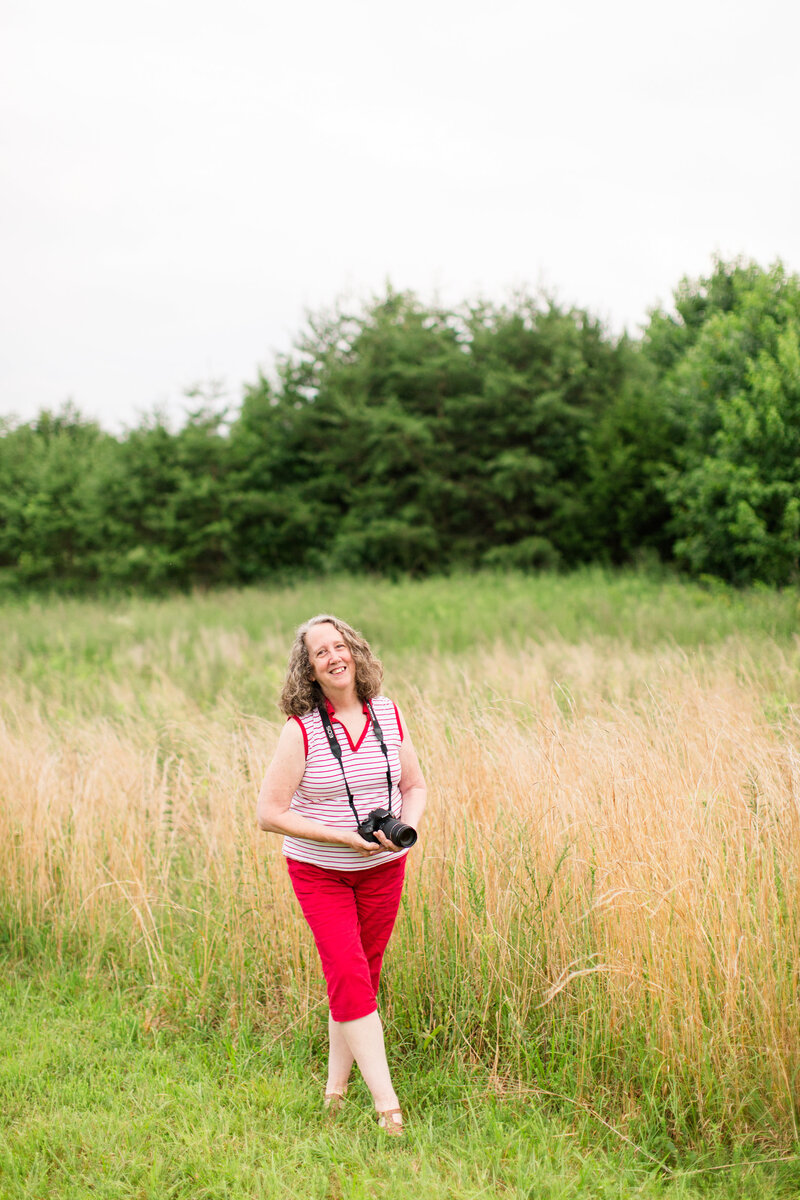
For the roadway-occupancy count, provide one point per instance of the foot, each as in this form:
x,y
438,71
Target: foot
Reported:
x,y
333,1102
391,1122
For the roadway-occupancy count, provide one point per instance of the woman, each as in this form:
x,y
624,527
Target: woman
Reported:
x,y
348,887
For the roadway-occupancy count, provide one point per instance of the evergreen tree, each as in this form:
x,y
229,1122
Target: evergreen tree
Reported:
x,y
50,527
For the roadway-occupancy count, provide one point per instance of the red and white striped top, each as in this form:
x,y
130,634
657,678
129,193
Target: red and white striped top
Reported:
x,y
322,795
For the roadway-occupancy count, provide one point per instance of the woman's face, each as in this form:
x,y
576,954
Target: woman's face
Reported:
x,y
331,661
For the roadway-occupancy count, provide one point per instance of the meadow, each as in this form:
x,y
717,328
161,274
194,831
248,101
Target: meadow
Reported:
x,y
593,986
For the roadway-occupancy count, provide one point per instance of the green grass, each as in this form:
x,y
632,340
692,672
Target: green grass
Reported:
x,y
233,643
97,1103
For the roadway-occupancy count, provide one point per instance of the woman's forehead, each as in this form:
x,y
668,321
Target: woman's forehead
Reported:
x,y
319,634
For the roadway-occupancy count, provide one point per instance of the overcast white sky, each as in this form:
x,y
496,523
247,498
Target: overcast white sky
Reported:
x,y
182,180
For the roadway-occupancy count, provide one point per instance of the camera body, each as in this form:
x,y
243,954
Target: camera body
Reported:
x,y
380,818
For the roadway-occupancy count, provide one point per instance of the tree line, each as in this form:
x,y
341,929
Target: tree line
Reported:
x,y
411,438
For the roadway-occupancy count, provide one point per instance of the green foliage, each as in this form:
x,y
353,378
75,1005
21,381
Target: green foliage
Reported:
x,y
410,439
629,451
415,439
732,398
50,522
169,499
79,507
547,377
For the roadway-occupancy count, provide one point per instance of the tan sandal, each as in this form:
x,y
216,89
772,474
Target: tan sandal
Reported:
x,y
332,1103
391,1122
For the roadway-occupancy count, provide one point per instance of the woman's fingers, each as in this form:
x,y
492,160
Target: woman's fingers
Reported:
x,y
384,841
368,848
365,848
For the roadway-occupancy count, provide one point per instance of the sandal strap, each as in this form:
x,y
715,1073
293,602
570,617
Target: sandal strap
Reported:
x,y
388,1120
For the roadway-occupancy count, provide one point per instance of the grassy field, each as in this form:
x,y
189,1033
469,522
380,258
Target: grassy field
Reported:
x,y
593,987
98,1102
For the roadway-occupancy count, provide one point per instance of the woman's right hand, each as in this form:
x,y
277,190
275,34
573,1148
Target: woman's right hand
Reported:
x,y
356,842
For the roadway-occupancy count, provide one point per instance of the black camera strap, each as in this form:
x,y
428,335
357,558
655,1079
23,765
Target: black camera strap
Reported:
x,y
336,751
376,729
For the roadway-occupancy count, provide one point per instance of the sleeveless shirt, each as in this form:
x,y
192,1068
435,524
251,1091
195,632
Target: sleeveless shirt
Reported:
x,y
322,795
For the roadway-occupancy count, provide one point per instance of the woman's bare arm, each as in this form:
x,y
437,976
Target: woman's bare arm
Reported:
x,y
412,783
412,788
273,812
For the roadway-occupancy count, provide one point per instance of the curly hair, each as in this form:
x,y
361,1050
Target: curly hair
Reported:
x,y
301,692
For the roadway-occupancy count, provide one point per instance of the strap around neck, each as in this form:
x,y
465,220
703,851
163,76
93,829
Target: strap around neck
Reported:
x,y
336,751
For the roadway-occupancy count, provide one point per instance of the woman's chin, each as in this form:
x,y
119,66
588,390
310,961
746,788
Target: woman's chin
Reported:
x,y
338,686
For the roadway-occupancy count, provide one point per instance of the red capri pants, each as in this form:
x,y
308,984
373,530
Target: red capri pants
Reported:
x,y
351,914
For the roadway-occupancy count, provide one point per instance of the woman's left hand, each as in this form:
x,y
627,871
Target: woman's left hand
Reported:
x,y
384,841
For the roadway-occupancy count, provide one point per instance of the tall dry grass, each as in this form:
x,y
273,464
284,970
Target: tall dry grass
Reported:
x,y
604,903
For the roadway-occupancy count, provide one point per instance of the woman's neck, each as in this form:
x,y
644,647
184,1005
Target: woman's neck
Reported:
x,y
349,702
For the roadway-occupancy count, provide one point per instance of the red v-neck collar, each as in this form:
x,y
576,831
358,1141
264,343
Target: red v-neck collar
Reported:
x,y
333,717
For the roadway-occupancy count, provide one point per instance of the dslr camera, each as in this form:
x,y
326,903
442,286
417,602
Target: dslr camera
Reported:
x,y
380,818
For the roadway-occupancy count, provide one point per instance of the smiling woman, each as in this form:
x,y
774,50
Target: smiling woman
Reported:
x,y
342,755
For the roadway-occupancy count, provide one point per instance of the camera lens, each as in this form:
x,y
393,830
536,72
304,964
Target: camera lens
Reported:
x,y
402,835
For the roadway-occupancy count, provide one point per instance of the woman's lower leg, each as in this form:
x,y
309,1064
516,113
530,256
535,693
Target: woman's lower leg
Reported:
x,y
340,1059
364,1039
